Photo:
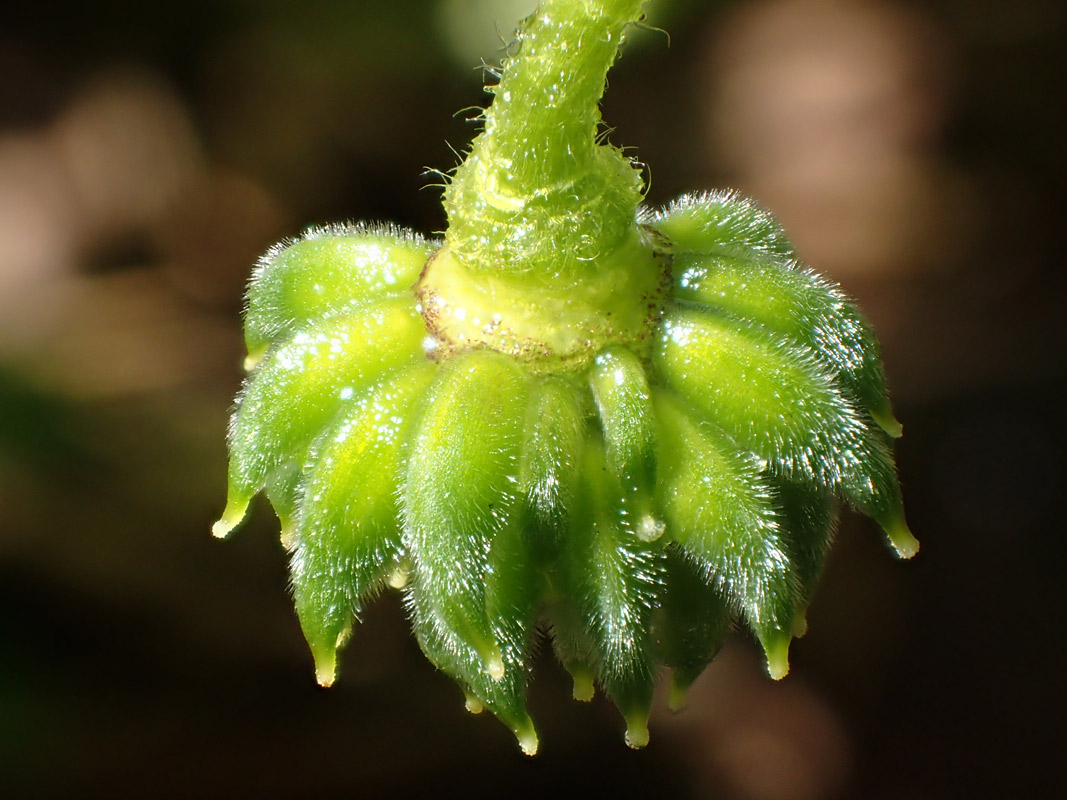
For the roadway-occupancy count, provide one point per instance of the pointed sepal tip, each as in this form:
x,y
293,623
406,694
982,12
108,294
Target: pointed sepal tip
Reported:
x,y
399,577
472,704
776,646
900,536
583,689
253,359
887,422
677,693
326,668
527,737
232,516
288,535
637,730
649,529
494,665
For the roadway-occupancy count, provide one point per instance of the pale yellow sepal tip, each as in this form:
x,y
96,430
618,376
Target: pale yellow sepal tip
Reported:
x,y
528,743
494,667
904,542
230,519
637,731
398,578
343,637
232,515
325,672
677,695
888,423
777,650
649,528
896,530
583,689
252,359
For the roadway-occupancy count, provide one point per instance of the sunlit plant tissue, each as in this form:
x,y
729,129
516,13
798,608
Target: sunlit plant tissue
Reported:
x,y
572,417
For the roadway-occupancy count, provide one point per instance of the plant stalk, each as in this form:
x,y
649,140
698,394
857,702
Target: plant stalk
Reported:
x,y
538,194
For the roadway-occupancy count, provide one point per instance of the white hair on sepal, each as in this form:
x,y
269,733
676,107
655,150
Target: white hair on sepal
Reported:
x,y
723,219
386,230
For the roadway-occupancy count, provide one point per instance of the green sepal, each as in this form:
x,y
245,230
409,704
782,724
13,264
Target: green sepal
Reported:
x,y
301,385
572,642
461,529
615,580
549,484
624,406
721,511
772,398
705,222
325,271
768,397
555,428
880,498
691,626
512,592
804,306
809,520
349,529
283,491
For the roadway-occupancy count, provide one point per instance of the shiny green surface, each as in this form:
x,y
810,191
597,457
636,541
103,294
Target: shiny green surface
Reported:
x,y
349,534
322,272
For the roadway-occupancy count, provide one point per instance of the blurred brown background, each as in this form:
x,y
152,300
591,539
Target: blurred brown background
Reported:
x,y
150,151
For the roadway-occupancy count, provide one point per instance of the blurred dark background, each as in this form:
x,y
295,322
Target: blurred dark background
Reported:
x,y
149,152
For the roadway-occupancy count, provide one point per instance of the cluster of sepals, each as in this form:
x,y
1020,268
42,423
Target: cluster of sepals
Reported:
x,y
631,508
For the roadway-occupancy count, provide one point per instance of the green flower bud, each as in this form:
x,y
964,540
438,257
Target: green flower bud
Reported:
x,y
629,429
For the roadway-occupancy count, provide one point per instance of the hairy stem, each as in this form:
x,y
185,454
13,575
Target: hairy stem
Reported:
x,y
548,93
537,193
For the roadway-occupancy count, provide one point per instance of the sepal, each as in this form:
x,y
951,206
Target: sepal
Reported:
x,y
794,302
301,385
702,222
325,271
555,430
773,399
615,580
809,518
624,406
349,530
461,528
691,626
721,512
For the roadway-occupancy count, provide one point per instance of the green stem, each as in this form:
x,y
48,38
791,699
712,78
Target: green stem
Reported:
x,y
537,193
548,94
